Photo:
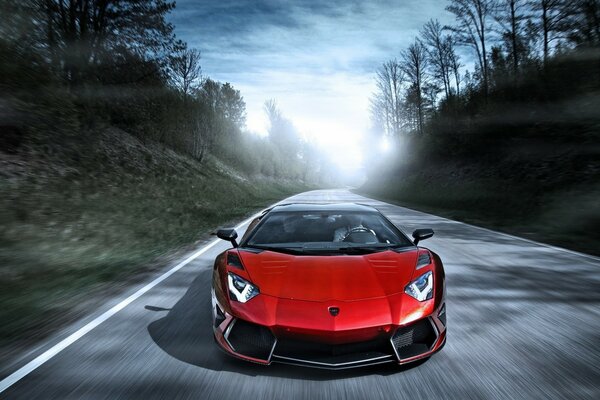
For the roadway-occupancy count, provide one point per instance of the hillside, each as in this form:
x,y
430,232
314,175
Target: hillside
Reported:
x,y
525,163
79,222
483,195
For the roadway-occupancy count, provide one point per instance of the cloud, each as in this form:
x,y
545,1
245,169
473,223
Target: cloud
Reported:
x,y
325,35
317,58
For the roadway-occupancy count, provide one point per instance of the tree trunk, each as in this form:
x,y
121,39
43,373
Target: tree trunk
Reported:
x,y
545,28
447,80
457,79
419,103
50,37
484,57
513,18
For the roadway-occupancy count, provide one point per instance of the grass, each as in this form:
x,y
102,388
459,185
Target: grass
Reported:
x,y
74,229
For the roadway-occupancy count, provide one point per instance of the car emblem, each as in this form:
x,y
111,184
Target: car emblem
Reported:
x,y
334,311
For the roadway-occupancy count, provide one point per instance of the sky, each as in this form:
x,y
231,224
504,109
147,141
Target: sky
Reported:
x,y
317,59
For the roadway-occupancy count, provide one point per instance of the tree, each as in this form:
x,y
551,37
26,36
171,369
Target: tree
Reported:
x,y
473,29
213,125
414,63
282,132
437,49
500,69
511,16
233,106
20,24
90,33
186,70
386,103
553,20
454,62
585,23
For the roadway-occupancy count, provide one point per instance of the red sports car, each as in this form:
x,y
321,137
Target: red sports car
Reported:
x,y
329,286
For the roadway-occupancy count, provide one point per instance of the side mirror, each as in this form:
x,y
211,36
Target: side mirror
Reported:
x,y
228,234
422,234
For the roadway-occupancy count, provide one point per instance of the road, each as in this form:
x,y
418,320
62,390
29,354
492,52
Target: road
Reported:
x,y
523,323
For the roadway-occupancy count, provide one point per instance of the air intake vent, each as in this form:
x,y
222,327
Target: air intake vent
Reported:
x,y
219,316
442,314
414,339
332,355
251,340
233,260
423,260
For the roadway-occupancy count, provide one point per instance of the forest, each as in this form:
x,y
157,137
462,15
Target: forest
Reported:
x,y
79,66
118,153
493,119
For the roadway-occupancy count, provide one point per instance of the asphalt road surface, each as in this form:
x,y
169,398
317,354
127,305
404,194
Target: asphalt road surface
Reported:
x,y
523,322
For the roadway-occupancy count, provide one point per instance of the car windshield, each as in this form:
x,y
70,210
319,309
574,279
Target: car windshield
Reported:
x,y
335,232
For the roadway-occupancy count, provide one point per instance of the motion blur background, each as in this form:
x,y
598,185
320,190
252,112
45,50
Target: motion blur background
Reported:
x,y
126,134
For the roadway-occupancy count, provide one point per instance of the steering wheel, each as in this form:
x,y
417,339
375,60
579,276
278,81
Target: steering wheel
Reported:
x,y
358,229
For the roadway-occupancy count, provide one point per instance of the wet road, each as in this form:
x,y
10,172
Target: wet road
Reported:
x,y
523,322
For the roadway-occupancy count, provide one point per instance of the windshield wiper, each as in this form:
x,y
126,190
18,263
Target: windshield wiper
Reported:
x,y
285,250
363,249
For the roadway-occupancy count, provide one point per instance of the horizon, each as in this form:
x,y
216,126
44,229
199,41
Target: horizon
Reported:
x,y
317,60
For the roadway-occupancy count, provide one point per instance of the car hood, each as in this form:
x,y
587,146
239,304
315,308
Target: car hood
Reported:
x,y
323,278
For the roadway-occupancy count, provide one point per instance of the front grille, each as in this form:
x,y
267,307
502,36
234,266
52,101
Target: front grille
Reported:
x,y
330,354
251,340
414,339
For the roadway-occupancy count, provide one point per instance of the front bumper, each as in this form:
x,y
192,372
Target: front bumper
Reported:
x,y
403,344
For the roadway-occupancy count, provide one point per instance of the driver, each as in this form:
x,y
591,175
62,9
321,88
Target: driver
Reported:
x,y
352,221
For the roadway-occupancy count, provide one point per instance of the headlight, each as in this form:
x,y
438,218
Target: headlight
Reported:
x,y
240,289
421,288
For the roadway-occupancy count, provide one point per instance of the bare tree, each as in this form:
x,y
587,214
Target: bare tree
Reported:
x,y
85,34
433,37
586,23
473,28
186,70
282,132
454,62
511,16
414,63
562,21
273,113
386,103
552,21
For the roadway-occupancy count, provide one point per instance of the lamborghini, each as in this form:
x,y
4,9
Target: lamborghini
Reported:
x,y
330,286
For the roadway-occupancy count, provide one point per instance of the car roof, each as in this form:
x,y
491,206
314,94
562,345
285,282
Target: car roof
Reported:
x,y
322,207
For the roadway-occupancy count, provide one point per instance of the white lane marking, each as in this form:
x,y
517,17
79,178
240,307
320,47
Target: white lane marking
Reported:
x,y
69,340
